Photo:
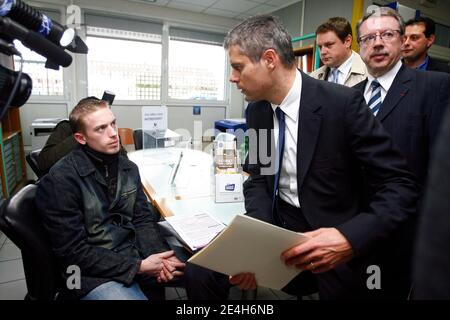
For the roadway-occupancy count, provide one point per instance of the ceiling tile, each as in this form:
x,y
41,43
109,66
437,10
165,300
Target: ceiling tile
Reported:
x,y
158,2
261,9
281,3
186,6
223,13
203,3
235,5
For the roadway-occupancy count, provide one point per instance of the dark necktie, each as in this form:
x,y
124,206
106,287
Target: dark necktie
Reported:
x,y
279,156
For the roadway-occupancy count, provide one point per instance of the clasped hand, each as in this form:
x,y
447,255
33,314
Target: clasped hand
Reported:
x,y
165,266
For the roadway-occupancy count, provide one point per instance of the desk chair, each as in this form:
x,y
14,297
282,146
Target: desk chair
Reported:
x,y
21,222
126,136
137,136
32,160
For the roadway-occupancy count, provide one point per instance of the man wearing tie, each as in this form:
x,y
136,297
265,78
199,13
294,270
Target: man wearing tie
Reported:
x,y
409,104
321,142
341,64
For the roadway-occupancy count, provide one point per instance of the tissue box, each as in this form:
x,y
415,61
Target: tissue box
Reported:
x,y
229,187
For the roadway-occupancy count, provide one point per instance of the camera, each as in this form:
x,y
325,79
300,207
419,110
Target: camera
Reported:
x,y
39,33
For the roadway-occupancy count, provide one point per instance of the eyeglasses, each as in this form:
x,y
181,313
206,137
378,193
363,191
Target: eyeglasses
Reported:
x,y
385,36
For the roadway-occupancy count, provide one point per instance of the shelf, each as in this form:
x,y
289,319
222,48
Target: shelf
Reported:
x,y
304,50
9,134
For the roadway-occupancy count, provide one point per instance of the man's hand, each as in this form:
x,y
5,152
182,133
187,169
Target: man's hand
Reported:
x,y
326,249
245,281
153,264
172,267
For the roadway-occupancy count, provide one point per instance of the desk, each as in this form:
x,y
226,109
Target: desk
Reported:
x,y
193,189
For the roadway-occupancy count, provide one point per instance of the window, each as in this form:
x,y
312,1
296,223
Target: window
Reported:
x,y
196,66
124,59
45,81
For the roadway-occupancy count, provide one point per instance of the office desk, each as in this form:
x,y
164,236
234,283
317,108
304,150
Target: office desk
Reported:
x,y
193,188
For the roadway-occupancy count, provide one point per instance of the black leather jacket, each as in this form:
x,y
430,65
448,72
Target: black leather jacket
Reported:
x,y
106,239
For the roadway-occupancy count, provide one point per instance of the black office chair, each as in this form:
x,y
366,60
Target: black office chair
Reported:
x,y
137,137
32,160
21,223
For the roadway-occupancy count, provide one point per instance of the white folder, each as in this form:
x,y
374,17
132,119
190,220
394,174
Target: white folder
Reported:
x,y
251,245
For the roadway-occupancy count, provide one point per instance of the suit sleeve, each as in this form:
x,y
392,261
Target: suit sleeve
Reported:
x,y
393,189
258,200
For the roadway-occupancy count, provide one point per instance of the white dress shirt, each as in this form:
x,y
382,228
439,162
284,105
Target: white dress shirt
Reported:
x,y
288,175
343,70
385,82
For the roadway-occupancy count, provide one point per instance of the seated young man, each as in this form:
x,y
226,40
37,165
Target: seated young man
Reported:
x,y
61,142
97,215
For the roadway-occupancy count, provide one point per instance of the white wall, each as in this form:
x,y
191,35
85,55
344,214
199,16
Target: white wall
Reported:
x,y
129,116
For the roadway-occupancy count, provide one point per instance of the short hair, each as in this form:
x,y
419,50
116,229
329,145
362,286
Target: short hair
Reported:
x,y
82,109
339,25
430,26
259,33
382,12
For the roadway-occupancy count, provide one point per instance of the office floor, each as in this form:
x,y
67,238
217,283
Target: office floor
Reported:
x,y
13,286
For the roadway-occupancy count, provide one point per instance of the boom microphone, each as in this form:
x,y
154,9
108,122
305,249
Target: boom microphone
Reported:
x,y
34,20
35,42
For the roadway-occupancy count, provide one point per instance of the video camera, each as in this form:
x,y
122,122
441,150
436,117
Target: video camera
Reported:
x,y
39,33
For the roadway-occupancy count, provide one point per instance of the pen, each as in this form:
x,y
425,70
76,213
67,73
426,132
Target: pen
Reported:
x,y
176,168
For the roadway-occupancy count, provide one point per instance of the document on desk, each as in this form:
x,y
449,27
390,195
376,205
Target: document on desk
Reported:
x,y
251,245
195,230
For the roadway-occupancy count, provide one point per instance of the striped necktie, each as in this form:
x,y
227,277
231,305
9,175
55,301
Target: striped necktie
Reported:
x,y
280,150
375,98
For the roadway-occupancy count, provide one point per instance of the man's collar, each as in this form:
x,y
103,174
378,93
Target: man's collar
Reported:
x,y
289,105
386,79
84,165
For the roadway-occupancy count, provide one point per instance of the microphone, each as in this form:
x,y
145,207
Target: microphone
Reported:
x,y
35,42
34,20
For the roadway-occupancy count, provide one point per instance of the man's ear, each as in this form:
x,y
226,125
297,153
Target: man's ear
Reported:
x,y
271,58
430,40
80,138
348,41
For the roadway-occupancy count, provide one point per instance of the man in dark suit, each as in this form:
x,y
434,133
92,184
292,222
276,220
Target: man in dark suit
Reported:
x,y
409,104
419,37
432,261
311,145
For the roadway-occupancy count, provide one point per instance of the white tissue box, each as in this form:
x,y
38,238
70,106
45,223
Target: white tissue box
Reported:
x,y
229,187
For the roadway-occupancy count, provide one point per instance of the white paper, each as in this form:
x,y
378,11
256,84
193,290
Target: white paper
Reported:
x,y
251,245
154,118
196,230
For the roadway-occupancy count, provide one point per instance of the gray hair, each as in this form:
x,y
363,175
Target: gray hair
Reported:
x,y
259,33
382,12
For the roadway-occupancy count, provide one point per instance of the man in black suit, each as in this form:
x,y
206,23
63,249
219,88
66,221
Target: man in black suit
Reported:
x,y
409,104
433,235
419,37
328,141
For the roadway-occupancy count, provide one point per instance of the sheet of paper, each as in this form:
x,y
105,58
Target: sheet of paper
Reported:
x,y
195,230
250,245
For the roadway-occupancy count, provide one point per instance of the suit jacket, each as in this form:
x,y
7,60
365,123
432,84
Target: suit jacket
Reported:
x,y
435,65
412,111
358,72
432,261
339,141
